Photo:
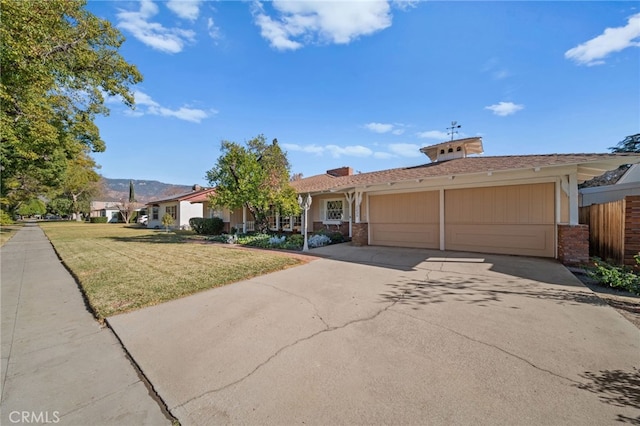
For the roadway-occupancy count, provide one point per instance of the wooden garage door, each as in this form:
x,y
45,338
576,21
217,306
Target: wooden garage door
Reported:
x,y
405,220
516,219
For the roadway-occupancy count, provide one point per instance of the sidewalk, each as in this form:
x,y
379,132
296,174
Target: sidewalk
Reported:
x,y
58,365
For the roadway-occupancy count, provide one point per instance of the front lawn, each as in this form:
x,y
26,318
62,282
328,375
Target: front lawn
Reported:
x,y
122,268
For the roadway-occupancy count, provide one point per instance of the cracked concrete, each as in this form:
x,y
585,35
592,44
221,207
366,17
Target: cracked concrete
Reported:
x,y
373,335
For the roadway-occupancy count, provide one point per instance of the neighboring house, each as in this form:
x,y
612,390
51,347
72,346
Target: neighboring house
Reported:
x,y
523,205
615,186
181,207
108,209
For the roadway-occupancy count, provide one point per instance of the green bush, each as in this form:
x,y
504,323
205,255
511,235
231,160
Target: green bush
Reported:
x,y
336,237
5,219
209,226
294,242
99,219
616,276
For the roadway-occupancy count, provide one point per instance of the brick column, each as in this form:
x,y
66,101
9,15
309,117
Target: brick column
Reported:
x,y
573,244
360,234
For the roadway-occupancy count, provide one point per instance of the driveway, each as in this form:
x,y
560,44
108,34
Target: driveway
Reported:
x,y
376,335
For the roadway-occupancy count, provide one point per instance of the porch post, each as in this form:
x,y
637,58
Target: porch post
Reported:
x,y
574,217
358,202
244,219
350,198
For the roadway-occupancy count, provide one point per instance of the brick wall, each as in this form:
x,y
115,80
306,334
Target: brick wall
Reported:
x,y
631,229
573,244
360,234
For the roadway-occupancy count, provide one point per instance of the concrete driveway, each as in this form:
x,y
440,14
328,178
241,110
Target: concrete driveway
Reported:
x,y
396,336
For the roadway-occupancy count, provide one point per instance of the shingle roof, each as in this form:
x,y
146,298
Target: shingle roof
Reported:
x,y
193,197
459,166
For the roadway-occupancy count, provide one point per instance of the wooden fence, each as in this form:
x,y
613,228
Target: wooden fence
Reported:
x,y
614,229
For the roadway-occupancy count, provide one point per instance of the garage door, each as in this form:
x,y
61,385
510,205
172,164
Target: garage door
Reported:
x,y
405,220
515,219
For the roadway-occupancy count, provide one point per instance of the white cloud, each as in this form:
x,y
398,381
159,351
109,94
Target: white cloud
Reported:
x,y
504,108
432,134
299,22
405,149
379,127
213,30
311,149
349,151
153,34
186,9
395,128
612,40
152,107
333,150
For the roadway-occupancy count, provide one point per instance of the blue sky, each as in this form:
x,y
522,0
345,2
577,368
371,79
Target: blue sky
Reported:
x,y
367,83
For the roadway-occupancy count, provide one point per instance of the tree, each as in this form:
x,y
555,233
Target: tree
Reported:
x,y
58,63
167,221
629,144
128,207
32,207
255,176
80,182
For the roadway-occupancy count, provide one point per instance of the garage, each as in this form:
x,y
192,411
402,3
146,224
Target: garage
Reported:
x,y
405,219
516,219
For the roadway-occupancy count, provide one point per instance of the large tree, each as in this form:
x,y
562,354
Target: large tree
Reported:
x,y
80,182
629,144
255,176
58,63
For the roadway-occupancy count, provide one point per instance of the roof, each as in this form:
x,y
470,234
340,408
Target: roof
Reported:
x,y
589,165
199,196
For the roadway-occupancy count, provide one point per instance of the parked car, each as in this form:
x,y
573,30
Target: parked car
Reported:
x,y
143,219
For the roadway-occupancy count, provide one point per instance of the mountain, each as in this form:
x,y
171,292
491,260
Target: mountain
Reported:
x,y
145,190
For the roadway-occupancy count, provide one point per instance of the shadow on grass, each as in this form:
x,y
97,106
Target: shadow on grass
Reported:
x,y
479,291
616,387
159,237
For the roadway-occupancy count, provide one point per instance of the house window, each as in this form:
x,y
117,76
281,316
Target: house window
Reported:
x,y
172,211
333,211
215,213
154,212
272,218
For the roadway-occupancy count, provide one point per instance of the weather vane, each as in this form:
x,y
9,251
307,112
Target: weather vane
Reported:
x,y
452,129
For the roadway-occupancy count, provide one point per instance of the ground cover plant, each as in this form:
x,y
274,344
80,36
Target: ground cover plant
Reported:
x,y
619,277
123,267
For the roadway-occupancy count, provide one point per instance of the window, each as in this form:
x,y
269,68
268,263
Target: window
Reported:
x,y
172,211
215,213
333,211
154,212
272,220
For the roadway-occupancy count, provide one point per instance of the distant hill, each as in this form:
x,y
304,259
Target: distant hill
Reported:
x,y
145,190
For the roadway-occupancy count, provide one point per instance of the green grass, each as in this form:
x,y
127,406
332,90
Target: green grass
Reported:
x,y
122,268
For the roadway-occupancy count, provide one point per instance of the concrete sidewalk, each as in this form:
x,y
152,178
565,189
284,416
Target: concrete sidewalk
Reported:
x,y
58,364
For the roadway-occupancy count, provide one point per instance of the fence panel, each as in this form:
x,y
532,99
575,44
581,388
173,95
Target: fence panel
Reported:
x,y
606,229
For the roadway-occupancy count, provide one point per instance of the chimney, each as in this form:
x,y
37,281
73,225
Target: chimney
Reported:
x,y
342,171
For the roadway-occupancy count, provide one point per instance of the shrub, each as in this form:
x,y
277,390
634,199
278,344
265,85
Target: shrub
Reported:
x,y
209,226
5,219
318,240
99,219
616,276
336,237
294,242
